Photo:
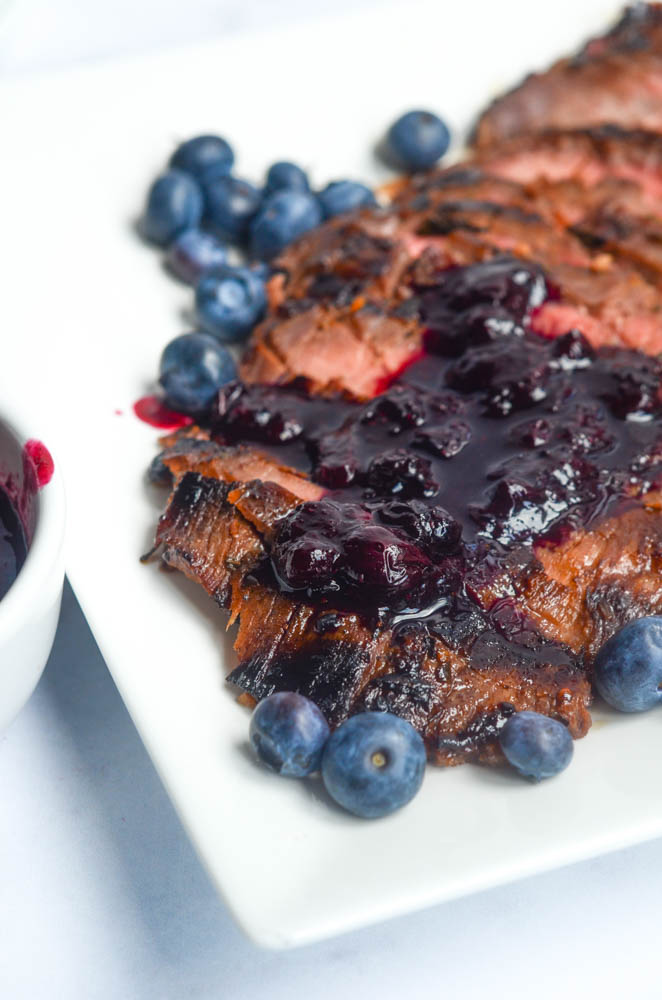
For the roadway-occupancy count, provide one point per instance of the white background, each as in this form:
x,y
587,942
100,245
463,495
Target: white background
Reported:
x,y
101,894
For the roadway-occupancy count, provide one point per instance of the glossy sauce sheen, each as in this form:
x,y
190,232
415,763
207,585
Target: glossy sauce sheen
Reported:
x,y
496,441
13,548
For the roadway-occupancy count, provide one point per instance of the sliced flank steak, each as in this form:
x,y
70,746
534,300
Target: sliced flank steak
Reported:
x,y
436,489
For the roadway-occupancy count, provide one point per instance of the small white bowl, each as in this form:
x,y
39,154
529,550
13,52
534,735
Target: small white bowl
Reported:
x,y
29,610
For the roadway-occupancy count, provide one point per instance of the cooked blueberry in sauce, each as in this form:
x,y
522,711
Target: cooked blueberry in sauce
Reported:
x,y
13,547
432,528
327,547
515,286
399,473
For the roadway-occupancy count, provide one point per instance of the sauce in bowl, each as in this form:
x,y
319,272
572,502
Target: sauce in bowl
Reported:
x,y
13,545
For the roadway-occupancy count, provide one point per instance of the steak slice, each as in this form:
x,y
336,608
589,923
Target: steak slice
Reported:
x,y
457,701
590,155
356,350
360,347
616,78
231,464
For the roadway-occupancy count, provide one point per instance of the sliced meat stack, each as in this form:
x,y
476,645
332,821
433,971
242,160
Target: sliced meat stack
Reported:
x,y
437,489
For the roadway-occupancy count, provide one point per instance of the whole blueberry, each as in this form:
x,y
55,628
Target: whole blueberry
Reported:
x,y
230,204
373,764
344,196
193,367
261,269
284,217
284,176
536,746
288,733
174,203
628,668
193,253
417,140
204,157
230,301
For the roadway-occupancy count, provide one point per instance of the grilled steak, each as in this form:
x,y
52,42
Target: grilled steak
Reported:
x,y
437,488
463,556
614,79
456,700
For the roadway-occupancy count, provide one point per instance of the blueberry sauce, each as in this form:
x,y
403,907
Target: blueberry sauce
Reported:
x,y
42,462
495,442
13,547
153,411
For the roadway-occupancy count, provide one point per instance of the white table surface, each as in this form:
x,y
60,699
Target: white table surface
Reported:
x,y
102,897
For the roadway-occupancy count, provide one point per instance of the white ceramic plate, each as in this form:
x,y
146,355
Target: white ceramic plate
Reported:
x,y
86,309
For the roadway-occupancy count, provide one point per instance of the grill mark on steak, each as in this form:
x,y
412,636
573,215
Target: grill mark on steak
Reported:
x,y
473,215
614,79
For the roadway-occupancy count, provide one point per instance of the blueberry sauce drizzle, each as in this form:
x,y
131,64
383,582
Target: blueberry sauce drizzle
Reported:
x,y
495,442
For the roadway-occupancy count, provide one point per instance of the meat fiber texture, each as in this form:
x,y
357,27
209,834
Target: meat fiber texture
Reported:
x,y
614,79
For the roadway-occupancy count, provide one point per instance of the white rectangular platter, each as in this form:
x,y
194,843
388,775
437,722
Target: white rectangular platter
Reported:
x,y
86,309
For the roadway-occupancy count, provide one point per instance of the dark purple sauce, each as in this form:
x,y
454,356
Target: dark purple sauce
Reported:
x,y
496,441
13,548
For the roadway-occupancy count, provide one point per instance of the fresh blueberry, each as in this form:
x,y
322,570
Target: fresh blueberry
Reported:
x,y
417,140
193,253
536,746
193,368
288,733
344,196
230,205
373,764
174,203
628,668
284,217
284,176
204,157
262,270
230,301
